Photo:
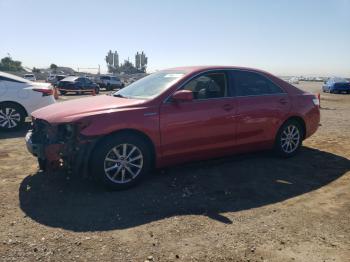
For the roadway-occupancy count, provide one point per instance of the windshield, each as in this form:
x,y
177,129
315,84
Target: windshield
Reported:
x,y
151,86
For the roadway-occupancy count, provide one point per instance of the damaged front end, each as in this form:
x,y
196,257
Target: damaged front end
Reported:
x,y
59,147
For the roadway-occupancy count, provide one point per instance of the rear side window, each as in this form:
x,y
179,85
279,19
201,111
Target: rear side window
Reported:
x,y
252,84
206,86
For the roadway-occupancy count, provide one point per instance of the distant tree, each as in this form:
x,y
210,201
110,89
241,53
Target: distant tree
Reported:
x,y
7,64
53,67
35,70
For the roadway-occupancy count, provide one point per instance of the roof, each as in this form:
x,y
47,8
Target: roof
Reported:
x,y
70,78
14,77
193,69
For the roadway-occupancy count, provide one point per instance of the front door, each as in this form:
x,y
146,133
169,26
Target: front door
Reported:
x,y
201,128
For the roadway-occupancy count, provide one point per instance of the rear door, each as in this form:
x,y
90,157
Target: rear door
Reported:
x,y
203,127
262,106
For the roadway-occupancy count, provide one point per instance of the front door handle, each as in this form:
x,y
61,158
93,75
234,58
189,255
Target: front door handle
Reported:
x,y
283,101
228,107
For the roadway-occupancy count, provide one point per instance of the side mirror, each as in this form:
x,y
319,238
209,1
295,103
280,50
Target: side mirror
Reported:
x,y
182,96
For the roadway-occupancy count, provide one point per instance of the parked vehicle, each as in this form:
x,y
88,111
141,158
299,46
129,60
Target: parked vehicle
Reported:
x,y
336,85
19,98
58,78
77,84
110,82
30,77
294,80
173,116
50,78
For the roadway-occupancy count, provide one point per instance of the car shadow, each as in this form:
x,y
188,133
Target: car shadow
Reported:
x,y
208,188
15,134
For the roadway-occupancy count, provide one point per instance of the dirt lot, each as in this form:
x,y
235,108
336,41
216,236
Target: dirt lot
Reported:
x,y
253,207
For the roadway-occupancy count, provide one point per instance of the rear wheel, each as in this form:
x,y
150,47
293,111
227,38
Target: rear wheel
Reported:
x,y
97,90
12,116
289,139
121,161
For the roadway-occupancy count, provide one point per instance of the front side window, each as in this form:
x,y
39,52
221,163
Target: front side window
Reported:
x,y
252,84
207,86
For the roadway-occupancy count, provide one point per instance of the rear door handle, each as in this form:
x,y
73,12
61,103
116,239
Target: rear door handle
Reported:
x,y
228,107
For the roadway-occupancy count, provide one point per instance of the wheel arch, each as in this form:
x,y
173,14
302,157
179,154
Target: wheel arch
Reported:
x,y
134,132
298,119
17,104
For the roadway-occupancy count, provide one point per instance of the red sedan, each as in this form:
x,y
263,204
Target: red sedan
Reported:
x,y
170,117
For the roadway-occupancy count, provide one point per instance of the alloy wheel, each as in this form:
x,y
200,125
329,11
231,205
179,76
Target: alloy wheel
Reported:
x,y
290,139
123,163
9,117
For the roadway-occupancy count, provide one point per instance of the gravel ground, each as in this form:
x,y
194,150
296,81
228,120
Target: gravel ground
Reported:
x,y
252,207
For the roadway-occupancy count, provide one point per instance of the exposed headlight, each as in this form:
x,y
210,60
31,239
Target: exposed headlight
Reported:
x,y
66,131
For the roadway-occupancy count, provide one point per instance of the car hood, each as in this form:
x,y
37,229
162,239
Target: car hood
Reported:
x,y
70,111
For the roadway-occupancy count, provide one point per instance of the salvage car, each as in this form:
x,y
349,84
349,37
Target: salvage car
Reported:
x,y
336,85
19,97
170,117
78,85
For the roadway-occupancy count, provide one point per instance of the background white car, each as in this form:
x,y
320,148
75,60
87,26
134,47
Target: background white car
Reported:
x,y
30,77
19,98
109,82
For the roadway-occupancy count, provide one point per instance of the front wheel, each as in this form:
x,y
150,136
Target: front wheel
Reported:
x,y
12,116
289,139
121,161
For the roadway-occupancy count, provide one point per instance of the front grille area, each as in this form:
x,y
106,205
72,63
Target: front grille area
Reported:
x,y
42,131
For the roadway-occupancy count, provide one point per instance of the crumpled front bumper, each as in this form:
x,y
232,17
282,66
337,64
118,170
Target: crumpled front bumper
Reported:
x,y
56,156
50,153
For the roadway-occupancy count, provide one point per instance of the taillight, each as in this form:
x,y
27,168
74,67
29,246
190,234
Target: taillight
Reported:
x,y
317,100
45,92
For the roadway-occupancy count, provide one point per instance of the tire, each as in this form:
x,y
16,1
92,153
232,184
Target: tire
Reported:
x,y
113,171
42,164
63,92
295,139
97,90
12,116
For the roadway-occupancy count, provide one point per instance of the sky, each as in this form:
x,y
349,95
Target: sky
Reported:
x,y
299,37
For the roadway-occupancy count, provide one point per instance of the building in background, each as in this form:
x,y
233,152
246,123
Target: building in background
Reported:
x,y
112,60
116,59
141,61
